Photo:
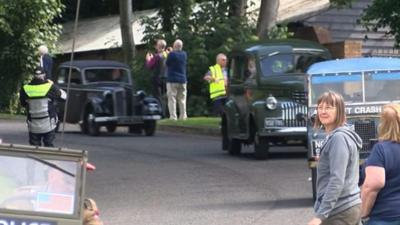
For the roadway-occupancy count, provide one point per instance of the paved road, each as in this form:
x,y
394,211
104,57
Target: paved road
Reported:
x,y
181,179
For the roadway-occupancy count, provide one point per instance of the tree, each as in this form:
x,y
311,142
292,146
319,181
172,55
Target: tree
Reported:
x,y
382,14
24,25
267,17
128,43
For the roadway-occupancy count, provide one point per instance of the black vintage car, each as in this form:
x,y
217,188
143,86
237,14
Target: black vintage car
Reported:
x,y
102,93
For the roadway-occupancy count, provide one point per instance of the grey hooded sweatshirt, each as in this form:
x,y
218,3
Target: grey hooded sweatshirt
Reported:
x,y
338,173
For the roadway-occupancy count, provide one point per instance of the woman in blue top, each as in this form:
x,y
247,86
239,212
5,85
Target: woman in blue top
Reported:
x,y
381,189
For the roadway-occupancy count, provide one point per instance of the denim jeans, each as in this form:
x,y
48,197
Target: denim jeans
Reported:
x,y
46,138
382,222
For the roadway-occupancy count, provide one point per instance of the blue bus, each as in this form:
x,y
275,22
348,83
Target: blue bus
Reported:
x,y
366,85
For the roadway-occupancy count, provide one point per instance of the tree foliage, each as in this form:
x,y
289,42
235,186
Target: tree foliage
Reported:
x,y
383,13
206,29
24,25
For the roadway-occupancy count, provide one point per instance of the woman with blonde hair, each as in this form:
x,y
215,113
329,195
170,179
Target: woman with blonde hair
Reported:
x,y
381,189
338,195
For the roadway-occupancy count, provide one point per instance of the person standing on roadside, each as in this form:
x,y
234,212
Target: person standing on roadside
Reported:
x,y
156,63
217,77
176,81
338,195
38,97
380,192
45,60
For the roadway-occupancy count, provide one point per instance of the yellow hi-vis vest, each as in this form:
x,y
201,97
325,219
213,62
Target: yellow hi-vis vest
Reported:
x,y
217,89
37,91
40,121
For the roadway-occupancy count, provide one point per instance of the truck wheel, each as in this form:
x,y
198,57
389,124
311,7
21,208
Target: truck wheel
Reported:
x,y
234,146
111,128
261,147
314,183
149,127
224,134
92,127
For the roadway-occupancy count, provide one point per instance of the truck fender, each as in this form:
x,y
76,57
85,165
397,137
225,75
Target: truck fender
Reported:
x,y
232,120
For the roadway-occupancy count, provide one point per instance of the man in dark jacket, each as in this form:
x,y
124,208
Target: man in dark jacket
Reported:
x,y
176,81
38,97
46,62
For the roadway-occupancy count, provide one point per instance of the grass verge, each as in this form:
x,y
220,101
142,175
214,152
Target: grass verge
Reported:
x,y
8,116
201,122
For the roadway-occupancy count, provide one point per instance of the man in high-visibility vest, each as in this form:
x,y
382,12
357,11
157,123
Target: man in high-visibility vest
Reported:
x,y
39,97
218,80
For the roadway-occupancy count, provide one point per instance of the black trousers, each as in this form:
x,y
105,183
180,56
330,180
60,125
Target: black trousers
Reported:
x,y
218,106
46,138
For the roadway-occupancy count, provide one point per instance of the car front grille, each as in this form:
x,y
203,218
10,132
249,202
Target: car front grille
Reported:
x,y
290,112
366,129
120,103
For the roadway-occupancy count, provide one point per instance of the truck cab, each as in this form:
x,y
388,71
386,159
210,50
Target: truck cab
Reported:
x,y
41,186
267,98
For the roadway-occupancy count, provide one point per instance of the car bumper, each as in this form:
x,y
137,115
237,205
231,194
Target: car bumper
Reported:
x,y
125,120
284,131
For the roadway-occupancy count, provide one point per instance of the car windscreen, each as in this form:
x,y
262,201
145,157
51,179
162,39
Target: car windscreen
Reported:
x,y
106,75
382,86
39,185
277,63
348,85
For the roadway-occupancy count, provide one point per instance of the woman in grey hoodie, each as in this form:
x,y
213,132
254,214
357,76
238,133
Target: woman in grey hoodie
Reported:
x,y
338,195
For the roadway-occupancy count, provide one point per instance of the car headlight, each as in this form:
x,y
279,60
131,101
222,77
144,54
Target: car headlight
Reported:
x,y
271,103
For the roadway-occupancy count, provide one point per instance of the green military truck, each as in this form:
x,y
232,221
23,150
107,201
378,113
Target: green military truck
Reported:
x,y
267,100
41,186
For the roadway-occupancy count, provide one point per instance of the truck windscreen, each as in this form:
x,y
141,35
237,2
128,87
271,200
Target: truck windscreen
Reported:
x,y
349,86
38,185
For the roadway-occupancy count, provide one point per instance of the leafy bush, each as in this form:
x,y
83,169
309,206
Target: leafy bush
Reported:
x,y
24,25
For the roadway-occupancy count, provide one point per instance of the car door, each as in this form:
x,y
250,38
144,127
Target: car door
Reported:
x,y
75,95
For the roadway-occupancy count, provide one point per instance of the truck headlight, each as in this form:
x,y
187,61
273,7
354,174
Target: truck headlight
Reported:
x,y
271,103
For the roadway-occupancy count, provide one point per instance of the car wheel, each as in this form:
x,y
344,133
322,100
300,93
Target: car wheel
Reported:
x,y
135,129
234,146
224,134
314,183
111,128
149,127
261,147
92,127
